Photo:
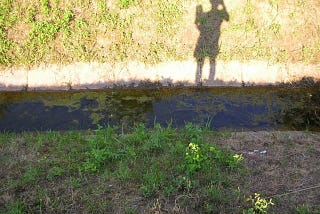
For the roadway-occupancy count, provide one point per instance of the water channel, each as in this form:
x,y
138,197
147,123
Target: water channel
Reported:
x,y
246,108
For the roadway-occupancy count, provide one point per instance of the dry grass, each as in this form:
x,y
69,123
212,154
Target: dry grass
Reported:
x,y
289,171
154,31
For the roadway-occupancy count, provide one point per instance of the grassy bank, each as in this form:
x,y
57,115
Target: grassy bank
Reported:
x,y
59,31
162,170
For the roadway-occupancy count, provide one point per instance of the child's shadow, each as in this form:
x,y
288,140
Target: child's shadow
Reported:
x,y
209,25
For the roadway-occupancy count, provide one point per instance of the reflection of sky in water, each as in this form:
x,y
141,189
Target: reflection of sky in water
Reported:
x,y
37,116
220,111
238,108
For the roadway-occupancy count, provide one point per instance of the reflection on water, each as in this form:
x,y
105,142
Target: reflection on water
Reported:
x,y
305,113
231,108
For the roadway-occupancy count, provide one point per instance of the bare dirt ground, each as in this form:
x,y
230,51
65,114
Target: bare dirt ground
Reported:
x,y
284,166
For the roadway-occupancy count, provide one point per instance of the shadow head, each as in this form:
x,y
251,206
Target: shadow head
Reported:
x,y
220,8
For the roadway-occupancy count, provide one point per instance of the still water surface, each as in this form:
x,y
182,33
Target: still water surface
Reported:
x,y
268,108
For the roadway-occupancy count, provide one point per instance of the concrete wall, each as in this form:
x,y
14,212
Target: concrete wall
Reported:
x,y
102,75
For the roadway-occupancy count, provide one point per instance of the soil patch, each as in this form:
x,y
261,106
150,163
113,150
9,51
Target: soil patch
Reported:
x,y
284,166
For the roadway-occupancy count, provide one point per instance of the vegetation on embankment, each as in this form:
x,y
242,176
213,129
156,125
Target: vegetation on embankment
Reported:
x,y
150,171
60,31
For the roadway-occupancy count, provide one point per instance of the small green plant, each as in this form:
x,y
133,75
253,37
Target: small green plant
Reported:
x,y
139,134
169,190
152,181
42,32
248,9
45,5
82,30
30,176
75,182
259,204
31,14
123,171
194,158
5,137
215,195
230,160
184,183
193,131
4,47
131,210
16,207
234,160
55,172
102,6
303,209
275,28
65,22
100,151
156,140
124,4
96,158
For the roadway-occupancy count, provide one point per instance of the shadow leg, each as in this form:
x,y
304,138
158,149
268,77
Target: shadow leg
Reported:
x,y
199,72
212,71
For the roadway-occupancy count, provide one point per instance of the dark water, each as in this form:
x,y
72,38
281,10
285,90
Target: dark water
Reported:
x,y
267,108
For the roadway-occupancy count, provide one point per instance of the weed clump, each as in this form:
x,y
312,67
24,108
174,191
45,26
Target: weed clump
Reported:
x,y
161,162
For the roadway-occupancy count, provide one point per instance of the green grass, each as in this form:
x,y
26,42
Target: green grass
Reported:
x,y
124,4
161,162
15,208
59,31
145,170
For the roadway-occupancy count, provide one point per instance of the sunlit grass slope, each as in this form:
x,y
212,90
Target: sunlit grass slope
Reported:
x,y
61,31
